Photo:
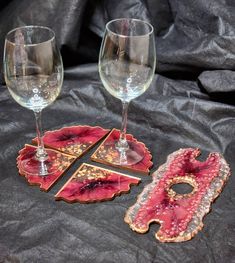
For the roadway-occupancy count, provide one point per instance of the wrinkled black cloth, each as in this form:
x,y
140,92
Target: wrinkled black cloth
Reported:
x,y
218,81
190,104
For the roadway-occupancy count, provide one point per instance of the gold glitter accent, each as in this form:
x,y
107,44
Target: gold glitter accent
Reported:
x,y
188,179
75,149
91,173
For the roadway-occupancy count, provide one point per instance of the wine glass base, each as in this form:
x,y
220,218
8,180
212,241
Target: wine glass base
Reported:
x,y
30,165
123,157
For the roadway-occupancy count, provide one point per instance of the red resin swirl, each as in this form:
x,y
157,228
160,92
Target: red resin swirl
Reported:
x,y
180,216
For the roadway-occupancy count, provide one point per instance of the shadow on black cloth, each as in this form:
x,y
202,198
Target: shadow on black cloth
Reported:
x,y
185,106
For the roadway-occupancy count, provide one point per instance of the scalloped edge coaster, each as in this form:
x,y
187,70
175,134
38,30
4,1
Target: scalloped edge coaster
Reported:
x,y
106,158
46,182
91,184
180,215
74,140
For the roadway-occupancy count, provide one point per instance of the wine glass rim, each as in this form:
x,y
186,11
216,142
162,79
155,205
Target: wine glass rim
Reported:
x,y
31,26
133,19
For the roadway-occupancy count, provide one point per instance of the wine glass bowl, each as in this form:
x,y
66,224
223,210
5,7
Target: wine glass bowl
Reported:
x,y
127,63
33,68
33,71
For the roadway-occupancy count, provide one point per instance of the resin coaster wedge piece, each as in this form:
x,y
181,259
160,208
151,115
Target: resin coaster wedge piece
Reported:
x,y
105,155
180,215
74,140
45,182
94,184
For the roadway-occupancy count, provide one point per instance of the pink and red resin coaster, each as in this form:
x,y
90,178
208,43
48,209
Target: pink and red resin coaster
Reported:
x,y
106,155
74,140
94,184
45,182
180,215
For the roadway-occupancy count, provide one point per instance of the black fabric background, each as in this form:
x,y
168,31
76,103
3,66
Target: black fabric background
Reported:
x,y
190,104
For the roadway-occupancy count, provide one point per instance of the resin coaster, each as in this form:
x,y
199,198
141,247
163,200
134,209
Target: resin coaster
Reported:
x,y
45,182
105,155
180,215
74,140
94,184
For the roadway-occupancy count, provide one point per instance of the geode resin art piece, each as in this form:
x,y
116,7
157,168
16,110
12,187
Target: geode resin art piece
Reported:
x,y
92,184
179,215
45,182
74,140
107,155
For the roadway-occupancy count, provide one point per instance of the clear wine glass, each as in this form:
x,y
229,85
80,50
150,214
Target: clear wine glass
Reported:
x,y
33,72
127,63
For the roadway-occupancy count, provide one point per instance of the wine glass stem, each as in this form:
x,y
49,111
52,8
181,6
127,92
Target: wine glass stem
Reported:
x,y
122,143
41,153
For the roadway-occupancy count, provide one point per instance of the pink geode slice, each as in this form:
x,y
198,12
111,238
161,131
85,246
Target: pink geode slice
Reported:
x,y
45,182
106,156
74,140
94,184
180,215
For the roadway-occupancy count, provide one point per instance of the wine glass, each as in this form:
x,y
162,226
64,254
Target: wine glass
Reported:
x,y
33,73
127,63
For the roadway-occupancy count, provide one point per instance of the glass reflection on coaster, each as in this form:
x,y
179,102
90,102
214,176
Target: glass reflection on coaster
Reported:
x,y
74,140
108,153
53,167
94,184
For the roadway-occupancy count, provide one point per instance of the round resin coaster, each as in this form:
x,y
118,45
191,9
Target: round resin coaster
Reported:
x,y
94,184
179,214
73,140
45,182
107,154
